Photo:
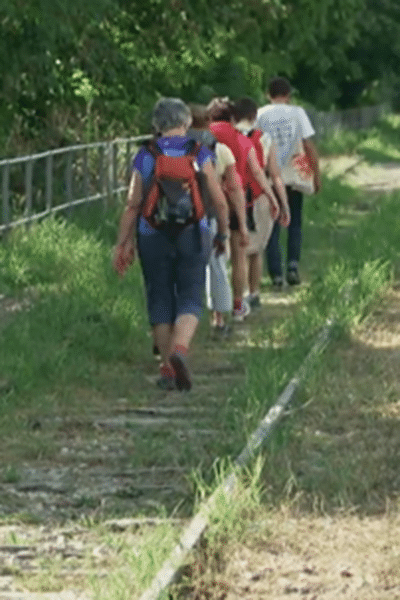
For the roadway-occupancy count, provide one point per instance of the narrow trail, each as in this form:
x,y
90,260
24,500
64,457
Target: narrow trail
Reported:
x,y
136,457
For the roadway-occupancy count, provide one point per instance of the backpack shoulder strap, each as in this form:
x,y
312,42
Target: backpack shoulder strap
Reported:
x,y
152,147
193,148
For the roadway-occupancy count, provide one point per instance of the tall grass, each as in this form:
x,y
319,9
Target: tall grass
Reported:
x,y
81,314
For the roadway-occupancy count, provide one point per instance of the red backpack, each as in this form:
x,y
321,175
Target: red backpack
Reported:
x,y
174,195
255,136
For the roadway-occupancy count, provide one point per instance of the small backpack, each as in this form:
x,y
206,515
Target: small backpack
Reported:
x,y
174,196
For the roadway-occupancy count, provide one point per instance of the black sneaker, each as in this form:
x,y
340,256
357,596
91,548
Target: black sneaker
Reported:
x,y
166,383
156,352
277,282
254,302
222,332
293,277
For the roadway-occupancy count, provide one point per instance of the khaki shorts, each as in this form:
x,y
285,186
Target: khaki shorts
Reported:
x,y
262,218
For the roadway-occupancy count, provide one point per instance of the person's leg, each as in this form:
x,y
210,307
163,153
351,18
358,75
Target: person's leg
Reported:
x,y
219,286
156,260
255,273
162,339
264,223
182,332
274,256
294,235
239,275
192,255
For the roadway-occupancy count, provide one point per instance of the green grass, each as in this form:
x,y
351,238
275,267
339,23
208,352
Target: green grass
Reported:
x,y
86,328
377,144
83,344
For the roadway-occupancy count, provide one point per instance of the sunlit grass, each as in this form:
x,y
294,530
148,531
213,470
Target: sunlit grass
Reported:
x,y
377,144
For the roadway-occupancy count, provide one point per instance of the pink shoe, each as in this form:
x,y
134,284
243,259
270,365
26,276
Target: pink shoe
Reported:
x,y
239,314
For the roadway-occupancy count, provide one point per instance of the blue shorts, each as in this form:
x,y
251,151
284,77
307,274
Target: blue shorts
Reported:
x,y
173,266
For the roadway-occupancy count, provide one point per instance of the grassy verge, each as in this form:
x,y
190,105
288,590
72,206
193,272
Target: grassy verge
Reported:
x,y
85,329
83,344
377,144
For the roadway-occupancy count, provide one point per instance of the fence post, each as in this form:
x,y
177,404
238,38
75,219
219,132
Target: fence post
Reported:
x,y
114,169
102,187
85,173
68,181
6,195
128,161
28,187
109,173
49,181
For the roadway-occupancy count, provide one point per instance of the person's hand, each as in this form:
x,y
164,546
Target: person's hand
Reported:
x,y
273,207
124,255
220,244
284,217
317,183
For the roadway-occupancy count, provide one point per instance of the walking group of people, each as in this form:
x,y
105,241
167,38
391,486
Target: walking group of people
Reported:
x,y
215,180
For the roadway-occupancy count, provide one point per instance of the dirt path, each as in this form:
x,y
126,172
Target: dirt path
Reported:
x,y
383,177
98,467
297,554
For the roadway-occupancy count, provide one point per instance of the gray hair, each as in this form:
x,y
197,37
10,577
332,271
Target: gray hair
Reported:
x,y
169,113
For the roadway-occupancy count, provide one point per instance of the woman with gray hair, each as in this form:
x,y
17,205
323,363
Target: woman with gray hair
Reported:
x,y
173,252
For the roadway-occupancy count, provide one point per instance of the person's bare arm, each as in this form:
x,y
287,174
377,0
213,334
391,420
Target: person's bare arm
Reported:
x,y
275,174
262,181
236,196
125,247
312,155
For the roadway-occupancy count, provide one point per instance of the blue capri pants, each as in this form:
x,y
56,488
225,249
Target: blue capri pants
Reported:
x,y
173,265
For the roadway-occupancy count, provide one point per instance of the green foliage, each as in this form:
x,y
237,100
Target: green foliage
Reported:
x,y
80,70
377,144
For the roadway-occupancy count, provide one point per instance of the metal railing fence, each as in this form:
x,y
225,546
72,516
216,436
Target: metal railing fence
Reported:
x,y
37,185
352,118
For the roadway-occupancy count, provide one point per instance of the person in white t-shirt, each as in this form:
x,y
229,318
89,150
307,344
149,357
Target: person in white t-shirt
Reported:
x,y
288,125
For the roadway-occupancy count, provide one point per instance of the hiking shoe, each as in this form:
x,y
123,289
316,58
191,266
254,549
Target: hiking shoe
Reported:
x,y
222,331
293,277
254,301
277,282
239,314
166,383
182,376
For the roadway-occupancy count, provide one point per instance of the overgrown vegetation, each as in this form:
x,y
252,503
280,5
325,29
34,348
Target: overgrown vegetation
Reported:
x,y
76,72
377,144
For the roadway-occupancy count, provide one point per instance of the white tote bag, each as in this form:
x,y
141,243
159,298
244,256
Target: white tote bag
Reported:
x,y
298,172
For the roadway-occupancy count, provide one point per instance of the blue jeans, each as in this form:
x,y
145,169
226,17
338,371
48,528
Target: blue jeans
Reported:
x,y
174,270
273,251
